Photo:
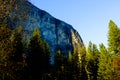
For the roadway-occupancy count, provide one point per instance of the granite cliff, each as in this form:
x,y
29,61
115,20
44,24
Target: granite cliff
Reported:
x,y
58,34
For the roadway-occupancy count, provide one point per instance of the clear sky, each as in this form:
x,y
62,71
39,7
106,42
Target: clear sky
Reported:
x,y
89,17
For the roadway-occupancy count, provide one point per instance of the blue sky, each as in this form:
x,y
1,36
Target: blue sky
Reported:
x,y
89,17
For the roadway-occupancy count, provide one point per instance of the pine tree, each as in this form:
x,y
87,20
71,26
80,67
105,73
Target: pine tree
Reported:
x,y
83,74
105,66
46,56
96,61
114,38
35,56
16,44
69,66
62,69
12,67
58,61
58,64
92,61
17,65
114,47
75,65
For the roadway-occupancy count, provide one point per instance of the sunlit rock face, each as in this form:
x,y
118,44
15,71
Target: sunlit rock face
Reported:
x,y
59,35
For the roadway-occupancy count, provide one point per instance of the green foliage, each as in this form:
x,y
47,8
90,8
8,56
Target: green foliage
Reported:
x,y
35,45
92,61
83,63
69,56
75,65
46,56
11,69
58,60
114,38
16,45
20,60
66,68
39,56
105,64
35,54
114,47
116,67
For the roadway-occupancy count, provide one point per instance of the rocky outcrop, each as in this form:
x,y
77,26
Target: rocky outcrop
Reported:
x,y
58,34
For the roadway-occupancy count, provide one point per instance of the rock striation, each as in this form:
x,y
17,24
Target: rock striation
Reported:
x,y
58,34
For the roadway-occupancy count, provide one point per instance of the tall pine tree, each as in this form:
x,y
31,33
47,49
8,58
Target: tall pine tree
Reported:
x,y
83,74
105,69
46,56
92,61
114,38
35,55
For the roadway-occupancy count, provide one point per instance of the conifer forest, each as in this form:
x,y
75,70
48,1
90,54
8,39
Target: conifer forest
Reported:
x,y
29,59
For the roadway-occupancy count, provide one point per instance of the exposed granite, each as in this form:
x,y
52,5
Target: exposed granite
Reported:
x,y
58,34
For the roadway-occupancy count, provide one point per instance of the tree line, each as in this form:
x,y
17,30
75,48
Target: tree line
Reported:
x,y
22,59
30,59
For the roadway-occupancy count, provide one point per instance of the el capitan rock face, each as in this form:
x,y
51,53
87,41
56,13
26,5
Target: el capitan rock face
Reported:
x,y
58,34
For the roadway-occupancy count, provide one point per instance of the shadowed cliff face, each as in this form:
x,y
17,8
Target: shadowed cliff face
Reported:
x,y
58,34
